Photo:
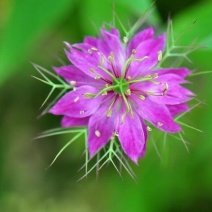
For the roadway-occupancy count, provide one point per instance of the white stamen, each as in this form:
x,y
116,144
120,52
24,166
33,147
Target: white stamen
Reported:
x,y
97,78
94,49
128,78
154,76
73,83
128,92
125,39
141,97
149,129
159,124
149,93
116,133
159,56
111,57
92,70
82,111
76,99
74,88
133,52
97,133
166,86
109,113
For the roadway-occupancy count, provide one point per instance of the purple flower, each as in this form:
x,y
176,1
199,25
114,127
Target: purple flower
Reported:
x,y
118,91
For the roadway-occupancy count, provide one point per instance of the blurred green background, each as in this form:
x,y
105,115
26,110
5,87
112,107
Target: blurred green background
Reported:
x,y
34,31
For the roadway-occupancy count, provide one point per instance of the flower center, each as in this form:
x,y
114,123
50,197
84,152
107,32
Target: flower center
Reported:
x,y
120,85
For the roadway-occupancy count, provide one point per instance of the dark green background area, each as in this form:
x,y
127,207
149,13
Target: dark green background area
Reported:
x,y
34,31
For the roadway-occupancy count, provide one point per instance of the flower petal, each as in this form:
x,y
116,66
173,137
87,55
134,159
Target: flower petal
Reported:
x,y
177,109
74,122
72,73
113,43
132,137
176,94
156,114
74,103
168,91
149,48
182,72
86,60
100,129
91,41
138,38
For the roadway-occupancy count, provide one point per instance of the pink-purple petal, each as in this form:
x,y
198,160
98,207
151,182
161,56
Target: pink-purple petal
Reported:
x,y
168,91
86,61
150,48
74,103
91,41
140,37
132,137
182,72
178,108
156,114
112,40
72,73
74,122
100,130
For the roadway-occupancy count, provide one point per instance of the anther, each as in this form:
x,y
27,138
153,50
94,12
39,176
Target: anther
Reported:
x,y
82,112
97,133
111,57
149,129
149,93
142,97
101,60
94,49
154,76
128,78
166,86
159,124
133,52
155,82
117,134
128,92
131,114
159,56
76,99
125,39
73,83
109,113
97,78
92,70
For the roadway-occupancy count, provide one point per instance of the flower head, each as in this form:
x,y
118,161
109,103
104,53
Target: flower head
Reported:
x,y
118,91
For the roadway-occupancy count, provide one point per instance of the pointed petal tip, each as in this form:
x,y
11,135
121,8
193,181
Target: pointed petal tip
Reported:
x,y
67,44
92,152
52,111
170,127
134,159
